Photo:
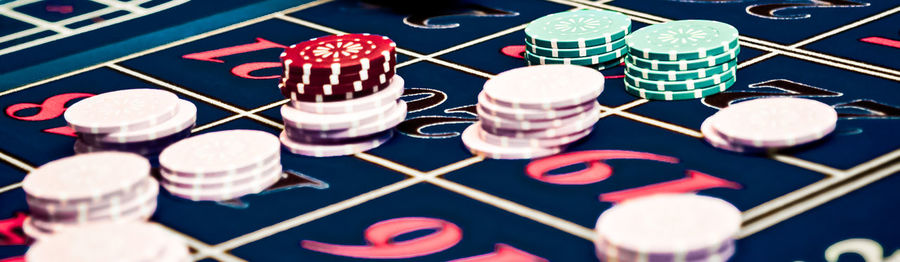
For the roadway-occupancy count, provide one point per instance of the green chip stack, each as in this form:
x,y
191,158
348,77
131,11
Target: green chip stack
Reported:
x,y
593,38
680,60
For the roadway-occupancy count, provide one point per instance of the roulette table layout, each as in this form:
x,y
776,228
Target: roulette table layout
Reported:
x,y
421,194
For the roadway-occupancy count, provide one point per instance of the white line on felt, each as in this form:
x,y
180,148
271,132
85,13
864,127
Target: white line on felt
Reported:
x,y
10,187
818,200
167,46
194,95
90,27
41,23
315,214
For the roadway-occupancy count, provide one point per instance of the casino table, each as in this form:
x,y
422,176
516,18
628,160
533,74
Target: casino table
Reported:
x,y
833,200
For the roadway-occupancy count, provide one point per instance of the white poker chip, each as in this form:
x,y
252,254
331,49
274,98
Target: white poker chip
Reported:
x,y
263,179
388,95
669,223
185,117
545,86
775,122
478,146
337,148
299,119
523,114
102,242
394,116
491,121
220,153
86,177
123,110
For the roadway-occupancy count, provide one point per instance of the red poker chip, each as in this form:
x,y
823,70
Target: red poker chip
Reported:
x,y
376,81
344,78
335,54
293,68
289,92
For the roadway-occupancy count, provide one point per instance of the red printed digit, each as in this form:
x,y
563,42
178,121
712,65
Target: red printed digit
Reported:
x,y
514,51
245,70
503,253
596,170
881,41
9,235
210,56
51,108
695,181
382,246
13,259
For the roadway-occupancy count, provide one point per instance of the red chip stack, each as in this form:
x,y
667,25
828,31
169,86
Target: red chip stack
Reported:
x,y
345,95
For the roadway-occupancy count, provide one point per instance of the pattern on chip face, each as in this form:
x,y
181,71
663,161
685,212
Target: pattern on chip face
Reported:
x,y
86,176
776,122
545,86
121,111
577,29
669,223
220,152
683,39
338,53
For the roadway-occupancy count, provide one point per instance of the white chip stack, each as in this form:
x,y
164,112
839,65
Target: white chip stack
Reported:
x,y
221,165
86,189
668,228
535,111
324,129
111,242
141,121
764,124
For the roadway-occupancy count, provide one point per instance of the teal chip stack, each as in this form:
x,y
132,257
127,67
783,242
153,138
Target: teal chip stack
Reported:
x,y
592,38
681,60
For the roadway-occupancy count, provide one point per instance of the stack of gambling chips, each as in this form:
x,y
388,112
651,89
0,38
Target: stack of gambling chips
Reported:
x,y
668,228
121,242
680,60
141,121
87,189
222,165
345,95
764,124
536,111
592,38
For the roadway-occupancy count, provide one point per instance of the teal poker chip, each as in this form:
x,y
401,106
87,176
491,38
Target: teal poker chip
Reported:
x,y
534,59
678,95
675,75
682,40
684,64
575,52
577,29
683,85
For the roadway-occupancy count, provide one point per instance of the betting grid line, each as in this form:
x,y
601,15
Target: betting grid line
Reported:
x,y
37,22
310,216
10,187
237,116
847,27
167,46
196,244
771,205
822,197
56,26
127,6
70,20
